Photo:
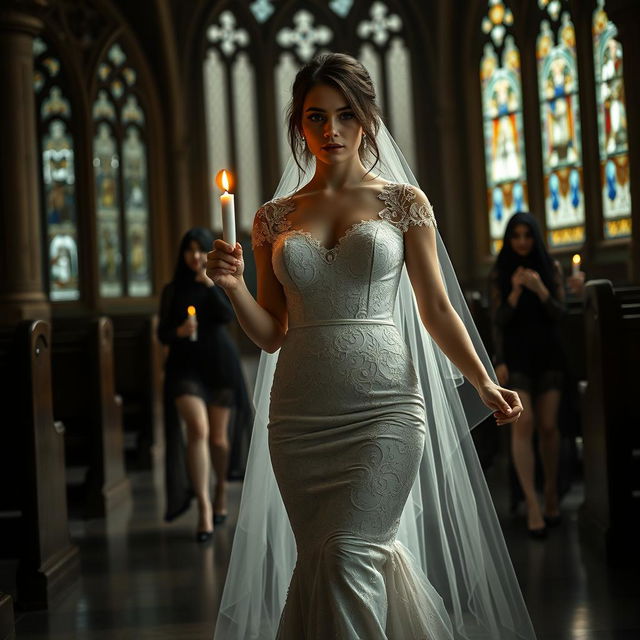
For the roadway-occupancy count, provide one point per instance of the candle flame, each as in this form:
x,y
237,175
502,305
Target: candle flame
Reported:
x,y
576,259
224,180
191,310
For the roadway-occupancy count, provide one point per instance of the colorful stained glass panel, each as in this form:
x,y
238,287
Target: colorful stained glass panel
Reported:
x,y
560,120
507,191
58,175
612,127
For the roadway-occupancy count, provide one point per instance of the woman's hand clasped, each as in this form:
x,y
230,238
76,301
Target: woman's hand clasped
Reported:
x,y
505,403
225,265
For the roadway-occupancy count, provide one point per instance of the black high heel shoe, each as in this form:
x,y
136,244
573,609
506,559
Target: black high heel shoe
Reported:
x,y
553,521
538,534
219,518
203,536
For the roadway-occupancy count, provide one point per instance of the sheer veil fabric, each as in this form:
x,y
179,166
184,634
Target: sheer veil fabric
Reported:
x,y
449,525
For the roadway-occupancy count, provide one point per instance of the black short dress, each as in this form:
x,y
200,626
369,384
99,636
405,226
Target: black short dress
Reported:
x,y
527,337
209,368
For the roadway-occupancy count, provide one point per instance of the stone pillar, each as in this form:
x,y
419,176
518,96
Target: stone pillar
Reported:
x,y
22,293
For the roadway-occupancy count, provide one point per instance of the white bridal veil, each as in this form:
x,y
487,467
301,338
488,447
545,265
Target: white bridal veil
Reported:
x,y
449,523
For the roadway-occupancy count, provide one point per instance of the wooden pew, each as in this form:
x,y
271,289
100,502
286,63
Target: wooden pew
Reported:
x,y
32,471
138,371
84,399
7,624
609,516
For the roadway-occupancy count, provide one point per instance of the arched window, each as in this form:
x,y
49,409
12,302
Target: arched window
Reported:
x,y
121,187
612,126
383,51
560,123
57,166
507,190
286,37
232,116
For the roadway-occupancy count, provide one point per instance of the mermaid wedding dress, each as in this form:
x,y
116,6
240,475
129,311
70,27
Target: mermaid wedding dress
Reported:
x,y
347,428
364,514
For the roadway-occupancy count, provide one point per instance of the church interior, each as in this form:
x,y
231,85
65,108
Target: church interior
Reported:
x,y
116,118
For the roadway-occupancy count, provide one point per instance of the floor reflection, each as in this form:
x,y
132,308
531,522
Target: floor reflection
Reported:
x,y
143,579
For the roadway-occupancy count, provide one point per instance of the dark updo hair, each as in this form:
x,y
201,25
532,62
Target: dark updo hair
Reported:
x,y
347,75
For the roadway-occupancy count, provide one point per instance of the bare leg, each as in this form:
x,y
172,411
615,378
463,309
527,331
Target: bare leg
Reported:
x,y
523,460
547,413
219,446
193,411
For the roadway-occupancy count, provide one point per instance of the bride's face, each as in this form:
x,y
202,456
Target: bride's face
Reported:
x,y
329,125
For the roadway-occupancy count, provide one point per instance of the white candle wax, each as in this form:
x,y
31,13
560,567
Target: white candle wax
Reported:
x,y
575,265
193,321
228,218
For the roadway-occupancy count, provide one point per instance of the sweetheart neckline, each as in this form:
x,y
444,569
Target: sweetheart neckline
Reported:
x,y
334,251
350,229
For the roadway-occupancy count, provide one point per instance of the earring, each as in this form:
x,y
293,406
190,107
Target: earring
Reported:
x,y
364,141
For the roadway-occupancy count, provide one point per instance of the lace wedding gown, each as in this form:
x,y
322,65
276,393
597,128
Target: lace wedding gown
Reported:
x,y
347,428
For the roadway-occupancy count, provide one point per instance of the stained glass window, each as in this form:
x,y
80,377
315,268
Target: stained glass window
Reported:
x,y
121,185
231,111
507,190
234,62
560,123
58,176
612,126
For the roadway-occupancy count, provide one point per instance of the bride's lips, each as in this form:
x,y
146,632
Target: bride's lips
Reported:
x,y
332,147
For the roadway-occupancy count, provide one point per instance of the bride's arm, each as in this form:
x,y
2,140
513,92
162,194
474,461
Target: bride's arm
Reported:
x,y
444,324
264,320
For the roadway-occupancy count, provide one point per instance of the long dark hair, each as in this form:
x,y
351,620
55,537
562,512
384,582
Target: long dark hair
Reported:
x,y
204,238
538,258
347,75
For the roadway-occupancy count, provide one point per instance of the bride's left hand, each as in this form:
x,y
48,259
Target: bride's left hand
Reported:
x,y
505,403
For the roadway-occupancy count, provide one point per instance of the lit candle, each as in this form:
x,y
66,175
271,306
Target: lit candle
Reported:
x,y
575,264
191,311
228,209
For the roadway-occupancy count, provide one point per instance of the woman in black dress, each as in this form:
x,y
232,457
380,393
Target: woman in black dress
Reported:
x,y
527,298
203,381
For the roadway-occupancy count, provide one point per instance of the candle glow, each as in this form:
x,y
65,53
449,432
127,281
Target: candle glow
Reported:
x,y
575,264
191,312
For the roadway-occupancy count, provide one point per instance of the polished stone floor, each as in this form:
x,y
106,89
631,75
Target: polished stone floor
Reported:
x,y
146,580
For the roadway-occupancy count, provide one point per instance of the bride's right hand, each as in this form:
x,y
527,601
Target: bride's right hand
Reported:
x,y
225,265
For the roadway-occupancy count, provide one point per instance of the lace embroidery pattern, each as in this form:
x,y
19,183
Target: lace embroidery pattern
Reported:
x,y
402,210
271,220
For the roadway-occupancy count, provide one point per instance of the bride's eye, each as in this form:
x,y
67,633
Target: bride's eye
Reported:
x,y
347,115
315,117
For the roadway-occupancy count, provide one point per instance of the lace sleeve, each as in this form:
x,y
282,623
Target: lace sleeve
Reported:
x,y
406,206
270,221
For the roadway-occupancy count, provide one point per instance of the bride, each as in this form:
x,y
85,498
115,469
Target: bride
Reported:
x,y
368,517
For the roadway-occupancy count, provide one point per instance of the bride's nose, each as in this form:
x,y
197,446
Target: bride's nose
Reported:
x,y
330,128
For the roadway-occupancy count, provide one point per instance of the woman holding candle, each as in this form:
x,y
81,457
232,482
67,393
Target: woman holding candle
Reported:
x,y
527,296
203,381
366,496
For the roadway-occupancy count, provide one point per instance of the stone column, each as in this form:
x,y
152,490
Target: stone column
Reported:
x,y
22,293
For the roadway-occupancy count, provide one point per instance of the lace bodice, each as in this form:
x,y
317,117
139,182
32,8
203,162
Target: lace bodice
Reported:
x,y
358,277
